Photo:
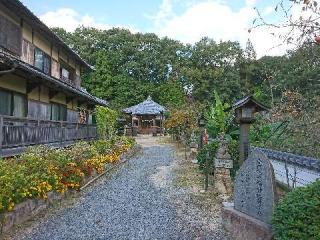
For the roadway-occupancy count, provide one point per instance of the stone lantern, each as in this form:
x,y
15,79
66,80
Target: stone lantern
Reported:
x,y
202,121
245,110
201,124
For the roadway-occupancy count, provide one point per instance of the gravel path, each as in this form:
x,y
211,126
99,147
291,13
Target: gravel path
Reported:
x,y
135,203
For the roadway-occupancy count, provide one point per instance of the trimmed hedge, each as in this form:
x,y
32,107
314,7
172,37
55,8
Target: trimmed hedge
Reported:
x,y
297,215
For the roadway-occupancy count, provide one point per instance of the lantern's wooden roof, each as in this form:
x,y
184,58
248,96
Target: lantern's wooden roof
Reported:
x,y
249,101
147,107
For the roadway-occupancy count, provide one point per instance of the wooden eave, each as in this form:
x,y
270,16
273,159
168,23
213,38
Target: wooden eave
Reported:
x,y
36,77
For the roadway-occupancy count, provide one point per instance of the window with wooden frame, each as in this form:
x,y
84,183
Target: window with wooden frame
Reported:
x,y
66,72
58,112
10,36
13,103
42,61
94,119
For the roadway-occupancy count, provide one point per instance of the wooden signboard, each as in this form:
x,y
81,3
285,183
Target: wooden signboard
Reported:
x,y
223,163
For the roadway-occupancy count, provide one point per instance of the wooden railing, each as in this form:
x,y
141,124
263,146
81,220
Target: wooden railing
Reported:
x,y
22,132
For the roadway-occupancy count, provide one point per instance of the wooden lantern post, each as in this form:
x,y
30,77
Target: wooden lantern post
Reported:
x,y
207,162
245,110
201,124
204,140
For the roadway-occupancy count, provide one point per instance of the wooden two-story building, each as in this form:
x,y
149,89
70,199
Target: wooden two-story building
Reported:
x,y
41,98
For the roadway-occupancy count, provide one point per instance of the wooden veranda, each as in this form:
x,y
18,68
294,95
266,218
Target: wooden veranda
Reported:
x,y
16,134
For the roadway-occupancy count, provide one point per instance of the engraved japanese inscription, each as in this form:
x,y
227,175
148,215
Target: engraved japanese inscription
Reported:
x,y
254,192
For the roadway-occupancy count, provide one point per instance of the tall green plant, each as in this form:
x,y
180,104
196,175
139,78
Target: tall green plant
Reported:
x,y
106,122
217,117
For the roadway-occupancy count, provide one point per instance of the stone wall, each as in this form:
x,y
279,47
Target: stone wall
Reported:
x,y
244,227
301,170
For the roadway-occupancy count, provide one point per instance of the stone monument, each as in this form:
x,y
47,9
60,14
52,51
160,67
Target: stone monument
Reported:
x,y
222,164
254,199
254,192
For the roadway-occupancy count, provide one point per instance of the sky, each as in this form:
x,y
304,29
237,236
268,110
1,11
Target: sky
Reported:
x,y
184,20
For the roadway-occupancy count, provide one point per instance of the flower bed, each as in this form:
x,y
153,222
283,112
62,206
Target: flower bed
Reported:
x,y
41,169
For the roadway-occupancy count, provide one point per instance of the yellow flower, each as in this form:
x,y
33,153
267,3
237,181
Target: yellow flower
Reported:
x,y
10,206
72,164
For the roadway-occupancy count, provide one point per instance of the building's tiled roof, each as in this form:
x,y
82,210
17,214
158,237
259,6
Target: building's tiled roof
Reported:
x,y
307,162
11,60
147,107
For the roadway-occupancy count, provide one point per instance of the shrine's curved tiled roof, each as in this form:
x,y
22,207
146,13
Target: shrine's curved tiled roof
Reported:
x,y
147,107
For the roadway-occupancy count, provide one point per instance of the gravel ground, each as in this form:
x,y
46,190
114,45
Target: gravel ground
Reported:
x,y
140,201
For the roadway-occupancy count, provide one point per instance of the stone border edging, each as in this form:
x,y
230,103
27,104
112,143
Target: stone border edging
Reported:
x,y
29,208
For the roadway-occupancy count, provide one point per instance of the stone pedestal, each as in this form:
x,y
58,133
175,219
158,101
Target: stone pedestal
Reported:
x,y
193,153
243,227
222,182
222,177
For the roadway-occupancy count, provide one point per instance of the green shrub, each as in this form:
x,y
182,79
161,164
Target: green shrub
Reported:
x,y
103,146
297,215
233,149
130,141
82,150
202,154
106,122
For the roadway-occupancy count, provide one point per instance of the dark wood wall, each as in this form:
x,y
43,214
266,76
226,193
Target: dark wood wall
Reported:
x,y
42,111
38,110
10,35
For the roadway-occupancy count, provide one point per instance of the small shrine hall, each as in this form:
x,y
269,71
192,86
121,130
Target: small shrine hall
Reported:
x,y
147,117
